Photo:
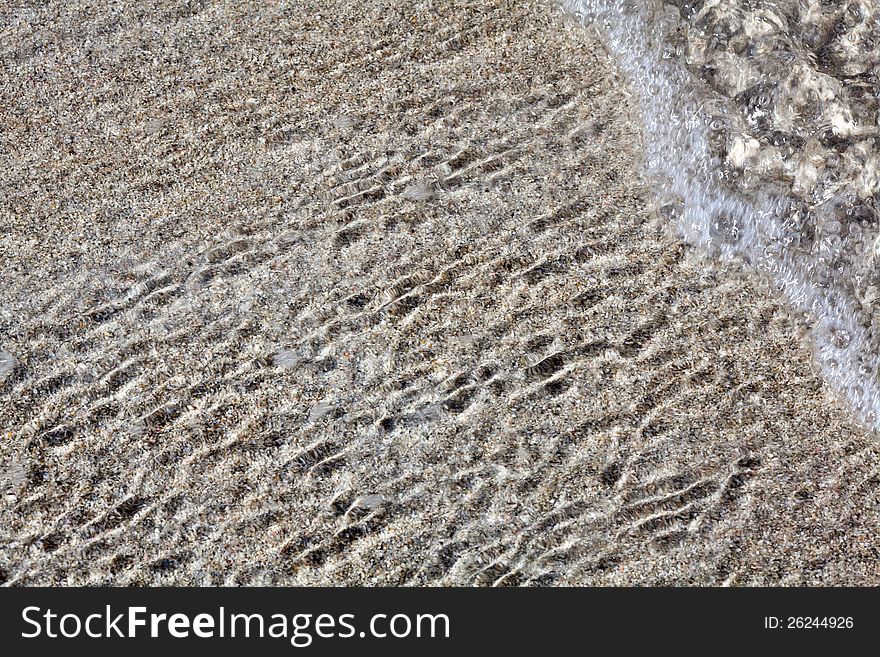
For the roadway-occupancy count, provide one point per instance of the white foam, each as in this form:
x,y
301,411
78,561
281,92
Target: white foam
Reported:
x,y
678,110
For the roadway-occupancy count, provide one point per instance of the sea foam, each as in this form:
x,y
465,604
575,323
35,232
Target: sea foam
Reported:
x,y
761,131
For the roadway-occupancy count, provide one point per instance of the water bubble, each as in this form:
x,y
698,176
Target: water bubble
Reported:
x,y
421,191
286,359
320,409
726,227
7,365
804,212
344,121
840,337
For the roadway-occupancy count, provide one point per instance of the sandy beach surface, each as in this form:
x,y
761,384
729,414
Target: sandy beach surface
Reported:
x,y
374,293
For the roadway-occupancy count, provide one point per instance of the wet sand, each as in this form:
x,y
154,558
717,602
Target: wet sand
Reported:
x,y
373,293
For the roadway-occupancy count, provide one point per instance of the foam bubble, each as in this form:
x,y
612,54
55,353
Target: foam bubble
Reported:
x,y
769,152
7,364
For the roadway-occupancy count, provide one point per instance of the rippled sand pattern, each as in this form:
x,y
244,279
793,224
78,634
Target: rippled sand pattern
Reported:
x,y
343,293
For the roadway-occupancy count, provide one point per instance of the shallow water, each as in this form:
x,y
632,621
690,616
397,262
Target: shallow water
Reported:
x,y
388,309
761,122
